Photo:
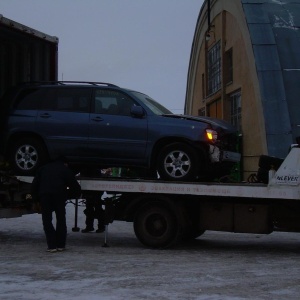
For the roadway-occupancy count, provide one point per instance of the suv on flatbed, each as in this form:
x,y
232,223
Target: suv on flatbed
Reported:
x,y
104,125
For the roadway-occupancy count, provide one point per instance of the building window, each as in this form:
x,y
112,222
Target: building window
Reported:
x,y
214,68
236,110
228,66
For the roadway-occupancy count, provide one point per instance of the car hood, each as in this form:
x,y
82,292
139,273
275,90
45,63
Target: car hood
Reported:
x,y
216,124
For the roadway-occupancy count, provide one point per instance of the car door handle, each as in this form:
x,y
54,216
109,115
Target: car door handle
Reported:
x,y
45,116
97,119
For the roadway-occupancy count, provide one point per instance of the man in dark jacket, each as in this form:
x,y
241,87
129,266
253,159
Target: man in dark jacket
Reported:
x,y
53,184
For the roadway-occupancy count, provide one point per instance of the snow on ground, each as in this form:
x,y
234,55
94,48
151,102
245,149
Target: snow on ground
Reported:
x,y
214,266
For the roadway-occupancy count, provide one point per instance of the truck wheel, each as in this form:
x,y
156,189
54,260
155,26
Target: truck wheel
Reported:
x,y
156,226
178,162
27,155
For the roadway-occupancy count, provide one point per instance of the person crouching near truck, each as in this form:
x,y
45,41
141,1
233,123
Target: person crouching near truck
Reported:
x,y
93,203
93,211
52,186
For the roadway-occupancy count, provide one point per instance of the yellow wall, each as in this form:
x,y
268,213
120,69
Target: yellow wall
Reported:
x,y
229,27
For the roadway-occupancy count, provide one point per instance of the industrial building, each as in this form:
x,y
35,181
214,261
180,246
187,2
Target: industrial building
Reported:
x,y
245,68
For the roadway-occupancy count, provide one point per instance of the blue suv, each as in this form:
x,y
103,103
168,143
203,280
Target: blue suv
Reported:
x,y
101,125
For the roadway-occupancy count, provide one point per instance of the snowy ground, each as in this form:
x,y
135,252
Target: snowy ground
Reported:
x,y
215,266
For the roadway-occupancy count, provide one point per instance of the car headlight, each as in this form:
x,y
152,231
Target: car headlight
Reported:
x,y
211,135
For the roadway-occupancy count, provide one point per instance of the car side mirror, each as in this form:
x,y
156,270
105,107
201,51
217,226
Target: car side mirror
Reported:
x,y
137,111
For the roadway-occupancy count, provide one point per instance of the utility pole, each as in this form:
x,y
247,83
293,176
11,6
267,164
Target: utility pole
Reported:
x,y
208,14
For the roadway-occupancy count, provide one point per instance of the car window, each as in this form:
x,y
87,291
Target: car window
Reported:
x,y
112,102
28,99
67,99
154,106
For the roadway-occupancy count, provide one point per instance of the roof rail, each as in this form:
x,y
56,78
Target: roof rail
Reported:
x,y
60,82
86,82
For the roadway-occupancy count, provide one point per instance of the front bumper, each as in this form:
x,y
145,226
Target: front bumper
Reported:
x,y
217,155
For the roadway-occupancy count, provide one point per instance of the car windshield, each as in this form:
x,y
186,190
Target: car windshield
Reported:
x,y
154,106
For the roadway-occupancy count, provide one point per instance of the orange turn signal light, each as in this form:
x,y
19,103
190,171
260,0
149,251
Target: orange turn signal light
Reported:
x,y
211,135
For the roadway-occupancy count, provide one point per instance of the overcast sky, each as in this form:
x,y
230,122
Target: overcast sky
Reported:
x,y
144,45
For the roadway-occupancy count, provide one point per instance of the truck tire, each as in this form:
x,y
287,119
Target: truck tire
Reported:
x,y
178,162
27,155
157,226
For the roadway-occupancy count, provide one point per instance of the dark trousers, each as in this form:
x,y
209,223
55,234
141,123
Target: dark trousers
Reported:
x,y
56,237
93,211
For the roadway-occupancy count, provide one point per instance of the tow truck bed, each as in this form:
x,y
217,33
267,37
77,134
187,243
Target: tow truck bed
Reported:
x,y
165,213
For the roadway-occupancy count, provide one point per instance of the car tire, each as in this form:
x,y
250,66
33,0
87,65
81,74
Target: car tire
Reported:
x,y
27,156
178,162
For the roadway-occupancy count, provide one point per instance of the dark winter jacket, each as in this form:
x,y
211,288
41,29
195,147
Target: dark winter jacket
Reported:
x,y
55,178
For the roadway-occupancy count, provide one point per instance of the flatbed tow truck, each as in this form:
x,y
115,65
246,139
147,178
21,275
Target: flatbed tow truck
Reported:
x,y
166,213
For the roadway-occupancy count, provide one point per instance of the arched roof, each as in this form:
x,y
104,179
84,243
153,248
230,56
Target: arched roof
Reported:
x,y
274,35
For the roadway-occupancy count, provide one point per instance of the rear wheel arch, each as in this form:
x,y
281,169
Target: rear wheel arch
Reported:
x,y
20,135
